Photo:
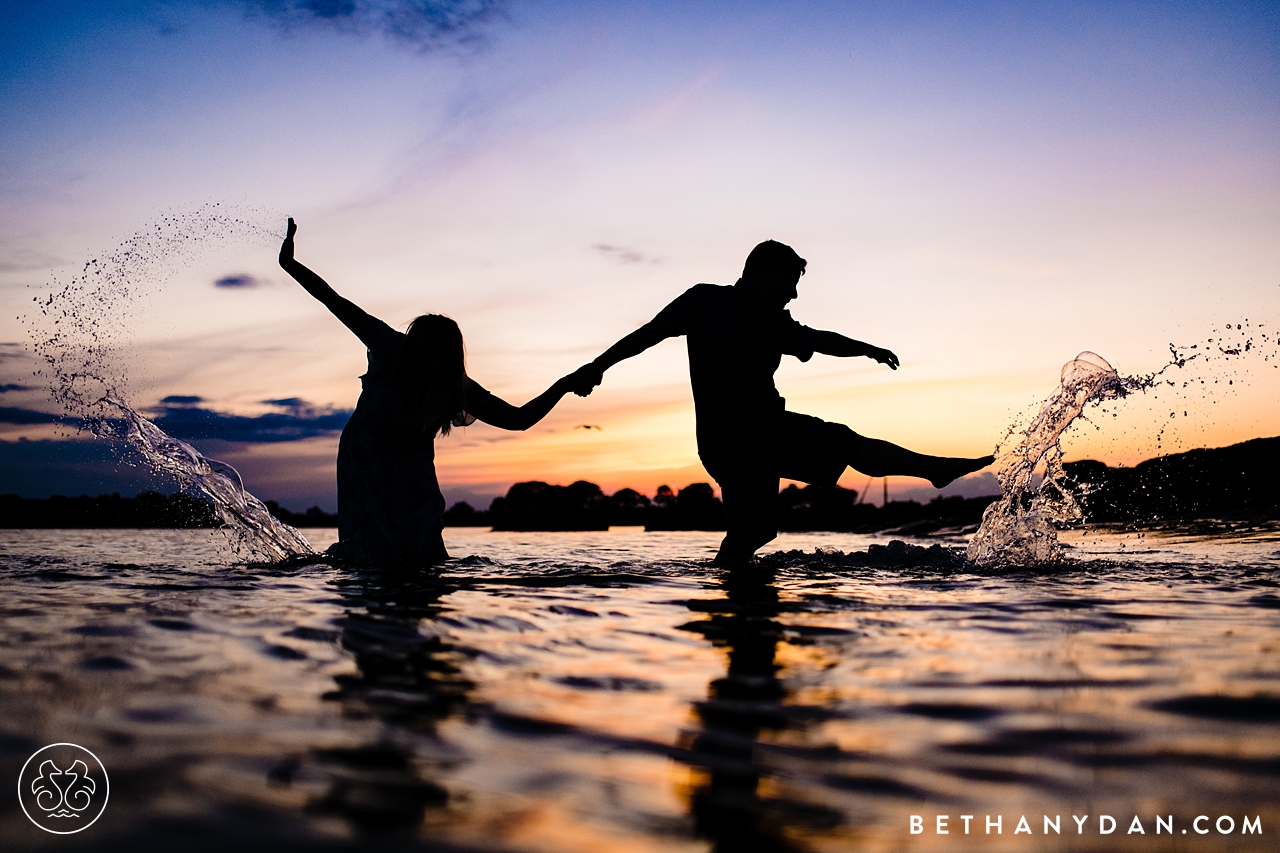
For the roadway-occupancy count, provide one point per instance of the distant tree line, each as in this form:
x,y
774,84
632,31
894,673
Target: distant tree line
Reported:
x,y
584,506
1242,480
149,509
314,517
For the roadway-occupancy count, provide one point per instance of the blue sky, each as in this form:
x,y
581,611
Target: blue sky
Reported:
x,y
987,189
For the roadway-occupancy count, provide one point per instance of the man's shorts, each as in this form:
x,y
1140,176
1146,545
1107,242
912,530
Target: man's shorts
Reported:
x,y
801,447
815,451
806,448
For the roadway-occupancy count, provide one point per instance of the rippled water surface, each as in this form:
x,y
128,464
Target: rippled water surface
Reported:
x,y
613,691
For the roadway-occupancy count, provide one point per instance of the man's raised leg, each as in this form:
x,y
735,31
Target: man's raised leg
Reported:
x,y
877,458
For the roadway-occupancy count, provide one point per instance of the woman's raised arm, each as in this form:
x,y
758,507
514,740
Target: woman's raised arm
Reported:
x,y
369,329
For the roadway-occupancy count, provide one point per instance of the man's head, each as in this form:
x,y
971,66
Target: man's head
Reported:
x,y
773,270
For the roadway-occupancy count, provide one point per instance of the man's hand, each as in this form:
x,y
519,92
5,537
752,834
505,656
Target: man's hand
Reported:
x,y
286,248
585,379
883,356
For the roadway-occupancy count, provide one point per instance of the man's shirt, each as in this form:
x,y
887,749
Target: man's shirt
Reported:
x,y
735,346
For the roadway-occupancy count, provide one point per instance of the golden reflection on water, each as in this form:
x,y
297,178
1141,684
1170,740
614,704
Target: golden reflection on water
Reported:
x,y
611,691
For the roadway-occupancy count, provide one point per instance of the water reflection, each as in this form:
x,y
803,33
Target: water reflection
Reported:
x,y
735,803
409,681
536,704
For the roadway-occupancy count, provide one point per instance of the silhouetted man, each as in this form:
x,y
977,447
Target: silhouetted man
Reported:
x,y
747,439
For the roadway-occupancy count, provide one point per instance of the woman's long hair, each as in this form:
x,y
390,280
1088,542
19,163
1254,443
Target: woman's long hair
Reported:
x,y
432,371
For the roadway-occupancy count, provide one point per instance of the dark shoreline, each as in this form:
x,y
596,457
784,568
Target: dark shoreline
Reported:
x,y
1228,486
694,508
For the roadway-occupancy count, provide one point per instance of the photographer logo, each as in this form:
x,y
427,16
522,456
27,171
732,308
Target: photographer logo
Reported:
x,y
63,788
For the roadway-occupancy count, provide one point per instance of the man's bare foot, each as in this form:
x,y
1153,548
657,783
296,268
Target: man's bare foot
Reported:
x,y
729,559
951,467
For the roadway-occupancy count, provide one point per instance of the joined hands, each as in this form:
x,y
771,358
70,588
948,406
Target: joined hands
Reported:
x,y
585,379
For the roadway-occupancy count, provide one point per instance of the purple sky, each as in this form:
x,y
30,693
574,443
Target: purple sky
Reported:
x,y
986,189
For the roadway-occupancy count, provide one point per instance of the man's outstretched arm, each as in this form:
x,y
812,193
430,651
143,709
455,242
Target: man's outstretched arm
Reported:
x,y
833,343
592,374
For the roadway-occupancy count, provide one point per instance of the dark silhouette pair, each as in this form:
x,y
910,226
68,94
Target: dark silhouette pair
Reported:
x,y
390,510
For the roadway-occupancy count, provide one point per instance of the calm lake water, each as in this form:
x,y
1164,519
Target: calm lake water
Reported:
x,y
613,691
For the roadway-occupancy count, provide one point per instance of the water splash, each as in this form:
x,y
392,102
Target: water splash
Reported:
x,y
255,530
1019,529
81,330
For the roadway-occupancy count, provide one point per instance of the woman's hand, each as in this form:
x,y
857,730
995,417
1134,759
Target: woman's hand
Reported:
x,y
286,248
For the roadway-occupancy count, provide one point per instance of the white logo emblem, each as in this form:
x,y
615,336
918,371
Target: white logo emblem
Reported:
x,y
63,788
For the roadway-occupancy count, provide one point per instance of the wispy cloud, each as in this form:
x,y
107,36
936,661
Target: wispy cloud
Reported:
x,y
240,280
623,254
25,417
181,418
422,25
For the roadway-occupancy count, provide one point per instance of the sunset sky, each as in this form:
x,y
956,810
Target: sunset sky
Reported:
x,y
985,188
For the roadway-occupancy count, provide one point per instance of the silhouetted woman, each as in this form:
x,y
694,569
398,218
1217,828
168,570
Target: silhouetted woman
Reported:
x,y
390,510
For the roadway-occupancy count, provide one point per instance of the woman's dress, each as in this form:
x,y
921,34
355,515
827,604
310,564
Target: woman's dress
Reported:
x,y
390,509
